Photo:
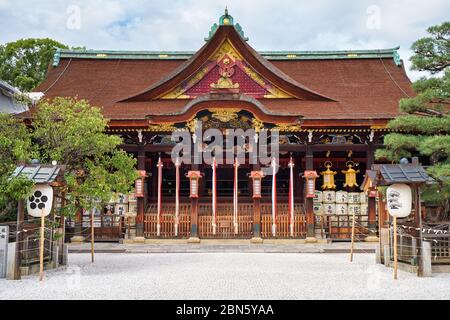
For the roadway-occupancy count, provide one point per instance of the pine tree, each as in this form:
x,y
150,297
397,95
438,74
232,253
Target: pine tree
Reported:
x,y
424,125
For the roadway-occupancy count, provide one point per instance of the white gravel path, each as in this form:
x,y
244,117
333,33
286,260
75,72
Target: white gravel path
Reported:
x,y
225,276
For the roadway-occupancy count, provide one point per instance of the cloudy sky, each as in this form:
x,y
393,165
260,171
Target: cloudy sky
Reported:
x,y
182,24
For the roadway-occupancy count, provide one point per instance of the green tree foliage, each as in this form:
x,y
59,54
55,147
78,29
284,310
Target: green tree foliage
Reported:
x,y
24,63
72,132
15,147
423,128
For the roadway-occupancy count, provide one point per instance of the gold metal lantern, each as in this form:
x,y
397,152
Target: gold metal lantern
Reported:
x,y
328,176
350,175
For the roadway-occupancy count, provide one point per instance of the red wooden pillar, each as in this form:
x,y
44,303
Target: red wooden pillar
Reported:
x,y
140,200
309,206
256,177
194,180
372,215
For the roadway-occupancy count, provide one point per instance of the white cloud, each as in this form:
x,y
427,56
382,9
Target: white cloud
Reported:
x,y
182,25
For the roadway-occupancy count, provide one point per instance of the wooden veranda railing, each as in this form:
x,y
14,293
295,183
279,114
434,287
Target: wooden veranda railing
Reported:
x,y
225,222
283,228
167,221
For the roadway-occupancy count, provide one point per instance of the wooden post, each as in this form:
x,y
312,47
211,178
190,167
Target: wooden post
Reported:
x,y
372,217
194,218
418,224
63,227
353,237
141,200
92,235
309,205
41,247
256,218
395,248
19,238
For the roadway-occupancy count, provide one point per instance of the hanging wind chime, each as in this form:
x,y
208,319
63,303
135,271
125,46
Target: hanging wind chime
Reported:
x,y
291,196
235,196
274,197
177,195
158,218
214,196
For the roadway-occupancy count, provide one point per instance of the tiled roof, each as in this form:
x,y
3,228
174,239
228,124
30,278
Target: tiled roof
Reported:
x,y
37,173
359,86
403,173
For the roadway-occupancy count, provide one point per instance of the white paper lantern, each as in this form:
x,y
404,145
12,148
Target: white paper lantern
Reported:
x,y
41,200
341,196
329,196
399,200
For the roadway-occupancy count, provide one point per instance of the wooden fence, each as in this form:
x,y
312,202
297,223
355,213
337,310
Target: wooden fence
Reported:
x,y
282,221
225,222
167,221
339,227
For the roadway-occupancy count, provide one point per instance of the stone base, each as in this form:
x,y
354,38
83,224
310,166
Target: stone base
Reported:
x,y
372,239
311,240
138,240
77,239
193,240
256,240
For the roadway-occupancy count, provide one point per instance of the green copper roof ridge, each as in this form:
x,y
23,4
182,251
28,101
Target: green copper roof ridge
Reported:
x,y
273,52
270,55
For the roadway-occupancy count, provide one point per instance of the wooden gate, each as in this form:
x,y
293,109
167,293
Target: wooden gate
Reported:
x,y
224,221
282,221
167,221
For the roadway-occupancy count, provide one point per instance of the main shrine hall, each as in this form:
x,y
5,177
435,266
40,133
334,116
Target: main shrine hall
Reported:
x,y
330,109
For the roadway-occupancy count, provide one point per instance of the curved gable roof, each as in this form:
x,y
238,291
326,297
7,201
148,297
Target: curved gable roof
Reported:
x,y
254,59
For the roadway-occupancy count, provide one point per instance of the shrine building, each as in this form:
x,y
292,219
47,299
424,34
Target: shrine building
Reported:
x,y
330,109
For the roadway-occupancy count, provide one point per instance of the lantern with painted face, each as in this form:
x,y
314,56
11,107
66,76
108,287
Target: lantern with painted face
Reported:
x,y
328,176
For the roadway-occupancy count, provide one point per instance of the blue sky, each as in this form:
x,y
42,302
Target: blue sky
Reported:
x,y
182,25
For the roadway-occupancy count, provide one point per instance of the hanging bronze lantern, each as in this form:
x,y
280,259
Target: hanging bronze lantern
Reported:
x,y
350,175
328,176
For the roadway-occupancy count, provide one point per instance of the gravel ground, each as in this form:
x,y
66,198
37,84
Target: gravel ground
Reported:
x,y
225,276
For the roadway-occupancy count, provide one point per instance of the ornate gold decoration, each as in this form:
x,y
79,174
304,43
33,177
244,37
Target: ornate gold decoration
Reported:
x,y
350,175
274,92
224,115
191,124
226,48
328,176
162,127
284,127
257,124
225,51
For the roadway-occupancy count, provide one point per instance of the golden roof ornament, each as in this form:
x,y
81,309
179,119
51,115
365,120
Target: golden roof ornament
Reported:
x,y
224,115
328,176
